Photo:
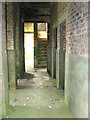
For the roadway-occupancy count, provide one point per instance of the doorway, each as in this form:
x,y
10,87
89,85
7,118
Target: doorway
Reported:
x,y
35,45
42,36
54,53
62,54
29,46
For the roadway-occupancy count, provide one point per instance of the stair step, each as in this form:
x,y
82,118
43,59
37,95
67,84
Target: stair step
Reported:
x,y
42,48
42,66
42,56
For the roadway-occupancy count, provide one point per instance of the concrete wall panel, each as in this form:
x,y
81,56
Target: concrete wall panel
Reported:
x,y
76,85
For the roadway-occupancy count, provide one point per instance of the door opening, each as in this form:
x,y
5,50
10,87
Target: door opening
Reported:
x,y
62,54
42,36
29,46
54,53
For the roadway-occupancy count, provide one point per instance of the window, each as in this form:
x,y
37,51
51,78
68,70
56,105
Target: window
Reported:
x,y
28,27
42,30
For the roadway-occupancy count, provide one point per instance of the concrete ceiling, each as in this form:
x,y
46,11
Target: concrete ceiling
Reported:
x,y
35,5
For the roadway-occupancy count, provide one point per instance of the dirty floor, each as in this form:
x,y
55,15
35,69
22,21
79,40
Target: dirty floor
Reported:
x,y
37,97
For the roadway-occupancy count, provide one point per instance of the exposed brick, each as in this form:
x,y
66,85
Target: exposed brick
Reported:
x,y
76,24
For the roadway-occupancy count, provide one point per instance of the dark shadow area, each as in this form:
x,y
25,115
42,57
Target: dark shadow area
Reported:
x,y
28,76
26,81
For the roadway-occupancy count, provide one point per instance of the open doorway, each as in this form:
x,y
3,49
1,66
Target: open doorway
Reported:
x,y
35,45
54,53
29,46
62,54
42,35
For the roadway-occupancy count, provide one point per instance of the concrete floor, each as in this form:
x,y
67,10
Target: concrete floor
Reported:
x,y
37,97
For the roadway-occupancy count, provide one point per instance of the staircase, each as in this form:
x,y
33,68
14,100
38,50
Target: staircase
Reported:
x,y
42,53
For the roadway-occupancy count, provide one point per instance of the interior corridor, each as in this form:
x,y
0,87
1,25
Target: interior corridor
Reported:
x,y
37,93
44,59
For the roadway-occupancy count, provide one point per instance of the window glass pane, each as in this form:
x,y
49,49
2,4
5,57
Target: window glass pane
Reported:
x,y
42,34
42,26
28,27
42,30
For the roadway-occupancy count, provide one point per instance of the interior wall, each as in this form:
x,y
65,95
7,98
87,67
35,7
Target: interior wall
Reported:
x,y
21,46
13,42
76,61
4,98
17,43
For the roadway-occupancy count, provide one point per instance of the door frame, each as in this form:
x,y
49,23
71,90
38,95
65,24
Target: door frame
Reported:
x,y
35,37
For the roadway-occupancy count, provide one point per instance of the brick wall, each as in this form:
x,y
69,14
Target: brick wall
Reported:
x,y
77,26
77,29
76,56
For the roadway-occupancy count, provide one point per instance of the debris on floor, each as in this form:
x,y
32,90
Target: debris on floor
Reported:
x,y
46,78
24,104
56,99
15,100
28,98
51,100
50,107
41,87
38,102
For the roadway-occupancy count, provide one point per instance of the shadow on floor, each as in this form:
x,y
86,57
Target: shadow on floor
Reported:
x,y
41,100
26,81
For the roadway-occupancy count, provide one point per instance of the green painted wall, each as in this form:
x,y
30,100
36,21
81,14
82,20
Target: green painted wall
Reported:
x,y
88,88
57,68
76,85
53,54
5,91
4,98
12,68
